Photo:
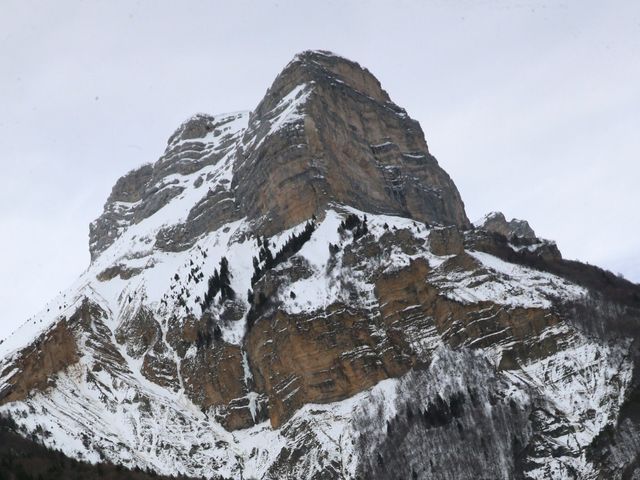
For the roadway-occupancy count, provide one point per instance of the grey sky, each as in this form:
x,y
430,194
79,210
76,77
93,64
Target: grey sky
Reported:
x,y
533,108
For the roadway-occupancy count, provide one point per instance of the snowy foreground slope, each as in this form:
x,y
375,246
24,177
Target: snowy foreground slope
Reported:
x,y
353,325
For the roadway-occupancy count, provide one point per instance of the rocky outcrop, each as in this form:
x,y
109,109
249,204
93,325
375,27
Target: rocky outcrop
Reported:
x,y
446,241
201,141
497,223
36,366
327,132
120,271
119,209
319,358
138,333
215,209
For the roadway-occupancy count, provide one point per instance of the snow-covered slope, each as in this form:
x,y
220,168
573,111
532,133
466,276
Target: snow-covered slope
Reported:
x,y
98,414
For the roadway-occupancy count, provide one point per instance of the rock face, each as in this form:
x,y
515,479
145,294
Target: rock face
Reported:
x,y
446,241
200,142
493,234
37,365
497,223
296,292
345,142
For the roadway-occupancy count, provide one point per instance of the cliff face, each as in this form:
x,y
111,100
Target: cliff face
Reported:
x,y
296,292
344,142
202,149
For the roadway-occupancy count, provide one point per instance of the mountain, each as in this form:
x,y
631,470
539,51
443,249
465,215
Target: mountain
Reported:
x,y
297,292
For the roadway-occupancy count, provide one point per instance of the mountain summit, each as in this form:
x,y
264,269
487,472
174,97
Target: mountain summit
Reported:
x,y
297,292
326,132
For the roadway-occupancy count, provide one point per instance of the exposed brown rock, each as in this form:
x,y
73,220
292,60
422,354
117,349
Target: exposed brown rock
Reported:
x,y
144,191
214,375
211,370
239,413
446,241
330,355
38,363
121,271
345,144
318,358
57,349
128,189
138,333
200,220
160,367
351,145
513,248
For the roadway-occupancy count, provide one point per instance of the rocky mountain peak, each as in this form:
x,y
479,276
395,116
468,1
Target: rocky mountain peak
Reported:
x,y
326,132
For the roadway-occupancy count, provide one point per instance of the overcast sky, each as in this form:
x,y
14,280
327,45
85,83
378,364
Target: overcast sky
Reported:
x,y
533,107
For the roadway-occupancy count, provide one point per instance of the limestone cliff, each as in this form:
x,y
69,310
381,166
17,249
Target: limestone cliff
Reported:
x,y
346,143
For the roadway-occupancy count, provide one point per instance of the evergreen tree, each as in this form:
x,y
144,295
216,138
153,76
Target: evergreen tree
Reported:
x,y
219,283
226,292
293,244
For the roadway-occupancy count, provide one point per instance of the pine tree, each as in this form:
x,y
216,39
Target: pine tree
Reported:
x,y
293,244
226,292
219,283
